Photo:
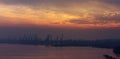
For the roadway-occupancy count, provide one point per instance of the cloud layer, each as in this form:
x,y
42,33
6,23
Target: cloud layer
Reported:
x,y
109,18
69,11
61,2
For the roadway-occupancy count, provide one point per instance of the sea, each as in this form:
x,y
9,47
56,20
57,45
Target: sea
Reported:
x,y
16,51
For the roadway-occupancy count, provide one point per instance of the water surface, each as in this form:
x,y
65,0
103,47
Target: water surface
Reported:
x,y
41,52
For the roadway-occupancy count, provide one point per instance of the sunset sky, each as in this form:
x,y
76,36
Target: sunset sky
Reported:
x,y
76,13
62,13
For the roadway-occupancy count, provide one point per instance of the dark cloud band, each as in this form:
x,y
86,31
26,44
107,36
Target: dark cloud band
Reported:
x,y
98,19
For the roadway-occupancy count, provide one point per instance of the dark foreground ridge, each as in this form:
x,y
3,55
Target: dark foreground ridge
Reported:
x,y
61,42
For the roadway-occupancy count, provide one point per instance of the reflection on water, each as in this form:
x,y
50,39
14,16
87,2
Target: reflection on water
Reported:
x,y
41,52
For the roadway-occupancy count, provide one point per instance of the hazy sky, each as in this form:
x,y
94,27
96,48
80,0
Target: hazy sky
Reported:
x,y
77,14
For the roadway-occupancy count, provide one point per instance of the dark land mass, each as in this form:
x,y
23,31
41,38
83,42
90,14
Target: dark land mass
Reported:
x,y
61,42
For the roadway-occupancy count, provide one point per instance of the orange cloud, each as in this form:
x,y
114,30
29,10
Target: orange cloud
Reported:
x,y
84,15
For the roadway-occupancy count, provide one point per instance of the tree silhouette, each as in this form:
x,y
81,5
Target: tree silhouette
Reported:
x,y
109,57
116,51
